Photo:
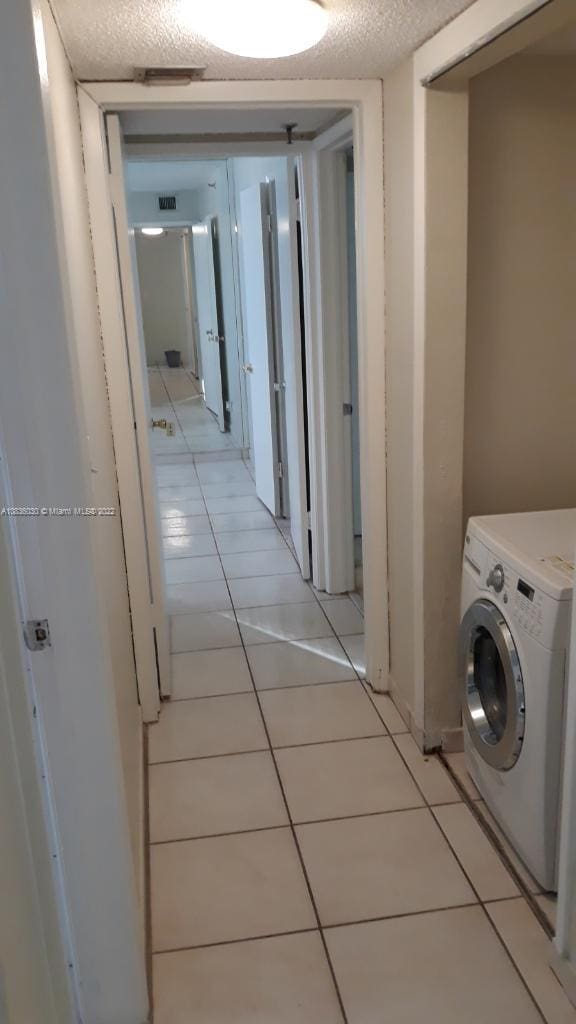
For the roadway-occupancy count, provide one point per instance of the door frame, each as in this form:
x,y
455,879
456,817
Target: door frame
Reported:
x,y
364,99
323,217
96,163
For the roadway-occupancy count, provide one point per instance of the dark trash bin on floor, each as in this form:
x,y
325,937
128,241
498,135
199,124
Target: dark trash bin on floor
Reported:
x,y
173,358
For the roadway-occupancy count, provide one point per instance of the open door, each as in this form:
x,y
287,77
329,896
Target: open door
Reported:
x,y
259,342
290,300
207,312
145,564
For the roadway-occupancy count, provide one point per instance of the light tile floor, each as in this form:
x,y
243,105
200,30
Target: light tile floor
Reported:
x,y
308,864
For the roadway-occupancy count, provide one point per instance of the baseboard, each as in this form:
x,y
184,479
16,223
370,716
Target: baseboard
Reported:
x,y
453,740
565,971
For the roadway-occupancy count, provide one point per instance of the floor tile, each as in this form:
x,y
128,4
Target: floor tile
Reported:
x,y
189,494
261,590
232,522
531,884
203,631
457,763
234,489
442,968
221,472
388,711
381,866
188,546
185,526
283,980
259,563
210,673
530,950
211,596
337,780
183,510
181,507
474,851
428,771
226,888
176,460
344,616
214,796
250,540
274,623
207,728
178,476
315,714
355,649
240,503
299,663
193,569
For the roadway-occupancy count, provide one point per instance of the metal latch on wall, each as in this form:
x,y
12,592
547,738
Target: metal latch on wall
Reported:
x,y
37,634
347,409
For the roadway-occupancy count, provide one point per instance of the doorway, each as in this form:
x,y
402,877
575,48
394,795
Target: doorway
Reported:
x,y
323,454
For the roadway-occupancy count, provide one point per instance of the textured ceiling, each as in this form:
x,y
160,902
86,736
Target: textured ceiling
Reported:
x,y
106,39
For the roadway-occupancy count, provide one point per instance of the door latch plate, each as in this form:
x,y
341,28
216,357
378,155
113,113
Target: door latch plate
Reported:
x,y
37,634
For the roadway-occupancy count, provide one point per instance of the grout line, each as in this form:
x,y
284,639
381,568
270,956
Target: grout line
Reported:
x,y
497,844
235,942
293,830
297,824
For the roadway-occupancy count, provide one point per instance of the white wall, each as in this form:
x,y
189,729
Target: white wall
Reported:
x,y
166,319
520,427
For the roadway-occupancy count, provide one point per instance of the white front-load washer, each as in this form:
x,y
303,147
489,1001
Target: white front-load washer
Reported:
x,y
514,636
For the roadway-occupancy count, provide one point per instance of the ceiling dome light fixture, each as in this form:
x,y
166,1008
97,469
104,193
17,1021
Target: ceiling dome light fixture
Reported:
x,y
259,28
152,231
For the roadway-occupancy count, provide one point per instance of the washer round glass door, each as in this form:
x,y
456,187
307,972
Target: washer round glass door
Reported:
x,y
493,699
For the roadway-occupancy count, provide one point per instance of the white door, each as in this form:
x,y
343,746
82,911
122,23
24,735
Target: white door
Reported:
x,y
148,591
287,221
207,314
259,342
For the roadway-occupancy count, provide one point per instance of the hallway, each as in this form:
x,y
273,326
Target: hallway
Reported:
x,y
175,395
307,863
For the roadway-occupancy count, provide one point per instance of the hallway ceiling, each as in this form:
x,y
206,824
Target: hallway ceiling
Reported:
x,y
106,39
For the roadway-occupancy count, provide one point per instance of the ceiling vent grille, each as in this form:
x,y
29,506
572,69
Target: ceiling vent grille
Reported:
x,y
167,203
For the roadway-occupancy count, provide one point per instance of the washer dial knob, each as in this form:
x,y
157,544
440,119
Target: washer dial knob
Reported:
x,y
496,578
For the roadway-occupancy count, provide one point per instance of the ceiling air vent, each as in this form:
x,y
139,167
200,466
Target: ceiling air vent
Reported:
x,y
167,203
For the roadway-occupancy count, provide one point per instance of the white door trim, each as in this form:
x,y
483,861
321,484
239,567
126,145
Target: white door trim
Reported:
x,y
120,394
328,345
364,98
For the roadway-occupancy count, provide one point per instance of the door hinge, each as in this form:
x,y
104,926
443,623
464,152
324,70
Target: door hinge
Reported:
x,y
298,207
279,386
309,519
280,471
269,221
347,409
37,634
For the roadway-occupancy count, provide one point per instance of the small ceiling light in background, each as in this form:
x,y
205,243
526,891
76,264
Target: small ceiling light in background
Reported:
x,y
152,231
258,28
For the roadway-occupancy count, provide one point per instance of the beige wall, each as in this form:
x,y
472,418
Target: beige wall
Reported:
x,y
163,292
520,432
63,124
398,183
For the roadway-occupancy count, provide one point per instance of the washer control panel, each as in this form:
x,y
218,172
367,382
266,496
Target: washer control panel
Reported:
x,y
532,610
